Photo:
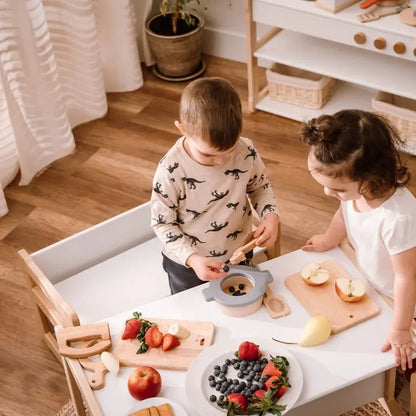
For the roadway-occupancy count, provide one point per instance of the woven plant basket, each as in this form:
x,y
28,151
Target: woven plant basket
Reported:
x,y
299,87
401,112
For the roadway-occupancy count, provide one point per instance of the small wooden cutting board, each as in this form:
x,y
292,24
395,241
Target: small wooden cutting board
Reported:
x,y
179,358
323,299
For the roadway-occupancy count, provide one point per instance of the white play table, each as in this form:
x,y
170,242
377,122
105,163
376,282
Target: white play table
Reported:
x,y
346,371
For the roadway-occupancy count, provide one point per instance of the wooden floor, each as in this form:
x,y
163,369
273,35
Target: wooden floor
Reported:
x,y
111,172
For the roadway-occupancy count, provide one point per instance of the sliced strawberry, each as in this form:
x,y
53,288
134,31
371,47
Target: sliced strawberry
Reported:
x,y
259,394
271,370
169,342
281,391
132,329
153,337
248,351
239,401
276,366
273,381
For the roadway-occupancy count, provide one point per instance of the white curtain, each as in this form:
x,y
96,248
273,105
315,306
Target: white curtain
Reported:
x,y
57,60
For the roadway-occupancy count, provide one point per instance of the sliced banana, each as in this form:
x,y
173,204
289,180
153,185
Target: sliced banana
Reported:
x,y
179,331
110,362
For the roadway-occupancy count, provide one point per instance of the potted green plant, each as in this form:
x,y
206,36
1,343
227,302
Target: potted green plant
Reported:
x,y
175,39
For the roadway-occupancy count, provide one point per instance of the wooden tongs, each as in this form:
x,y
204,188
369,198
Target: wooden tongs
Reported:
x,y
240,254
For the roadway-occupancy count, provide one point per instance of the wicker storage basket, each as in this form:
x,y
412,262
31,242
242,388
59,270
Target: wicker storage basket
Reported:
x,y
299,87
401,112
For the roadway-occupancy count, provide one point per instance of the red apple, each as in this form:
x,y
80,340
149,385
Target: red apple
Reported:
x,y
144,382
350,290
313,274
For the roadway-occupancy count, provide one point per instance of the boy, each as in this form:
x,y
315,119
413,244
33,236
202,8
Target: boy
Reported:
x,y
200,207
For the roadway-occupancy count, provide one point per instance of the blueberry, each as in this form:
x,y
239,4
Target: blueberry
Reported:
x,y
231,289
241,286
240,374
213,397
212,383
216,367
237,293
227,361
217,373
211,377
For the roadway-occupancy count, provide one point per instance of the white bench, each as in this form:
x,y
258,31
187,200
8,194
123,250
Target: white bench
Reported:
x,y
99,272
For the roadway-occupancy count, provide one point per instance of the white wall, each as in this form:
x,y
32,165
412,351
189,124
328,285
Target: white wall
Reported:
x,y
225,33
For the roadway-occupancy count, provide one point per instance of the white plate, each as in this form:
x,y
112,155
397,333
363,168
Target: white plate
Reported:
x,y
177,409
197,385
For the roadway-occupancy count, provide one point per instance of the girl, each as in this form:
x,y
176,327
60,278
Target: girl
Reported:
x,y
353,156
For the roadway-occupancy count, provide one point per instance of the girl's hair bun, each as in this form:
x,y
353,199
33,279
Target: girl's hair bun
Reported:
x,y
319,130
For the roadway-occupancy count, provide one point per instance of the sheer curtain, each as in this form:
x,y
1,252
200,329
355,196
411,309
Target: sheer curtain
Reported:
x,y
57,61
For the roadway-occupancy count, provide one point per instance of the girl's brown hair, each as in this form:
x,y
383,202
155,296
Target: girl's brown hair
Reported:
x,y
210,108
359,145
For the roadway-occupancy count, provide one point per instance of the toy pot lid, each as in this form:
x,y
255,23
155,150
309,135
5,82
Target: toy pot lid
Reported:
x,y
250,275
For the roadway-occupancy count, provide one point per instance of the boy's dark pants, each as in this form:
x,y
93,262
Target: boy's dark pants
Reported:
x,y
181,277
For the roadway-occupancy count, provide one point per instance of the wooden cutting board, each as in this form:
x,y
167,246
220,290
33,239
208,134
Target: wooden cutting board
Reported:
x,y
179,358
323,299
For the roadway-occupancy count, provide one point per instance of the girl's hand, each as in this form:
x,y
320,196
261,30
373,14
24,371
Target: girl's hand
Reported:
x,y
403,347
266,232
317,243
206,269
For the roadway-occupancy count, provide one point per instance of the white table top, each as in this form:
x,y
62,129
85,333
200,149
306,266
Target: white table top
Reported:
x,y
346,358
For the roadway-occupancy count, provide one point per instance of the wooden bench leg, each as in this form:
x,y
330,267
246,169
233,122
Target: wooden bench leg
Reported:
x,y
394,407
74,392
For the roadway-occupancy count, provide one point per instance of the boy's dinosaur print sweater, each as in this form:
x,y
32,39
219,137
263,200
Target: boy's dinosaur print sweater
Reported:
x,y
205,209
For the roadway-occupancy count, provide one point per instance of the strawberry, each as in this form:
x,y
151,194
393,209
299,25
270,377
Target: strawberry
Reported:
x,y
238,400
266,404
273,381
153,337
248,351
169,342
281,391
276,382
276,366
259,394
132,329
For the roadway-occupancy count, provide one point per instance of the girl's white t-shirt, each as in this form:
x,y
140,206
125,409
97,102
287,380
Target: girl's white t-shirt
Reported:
x,y
380,233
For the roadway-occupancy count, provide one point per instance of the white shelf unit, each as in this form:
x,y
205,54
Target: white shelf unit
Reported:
x,y
359,70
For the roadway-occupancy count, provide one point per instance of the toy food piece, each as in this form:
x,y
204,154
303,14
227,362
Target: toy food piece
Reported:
x,y
162,410
313,274
317,330
110,362
350,290
179,331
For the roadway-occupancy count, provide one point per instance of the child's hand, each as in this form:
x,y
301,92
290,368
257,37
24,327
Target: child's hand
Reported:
x,y
317,243
403,347
266,232
205,268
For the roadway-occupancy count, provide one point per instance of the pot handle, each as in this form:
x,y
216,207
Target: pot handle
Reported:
x,y
209,293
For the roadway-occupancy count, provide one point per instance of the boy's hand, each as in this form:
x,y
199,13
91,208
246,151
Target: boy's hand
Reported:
x,y
205,268
266,232
403,347
317,243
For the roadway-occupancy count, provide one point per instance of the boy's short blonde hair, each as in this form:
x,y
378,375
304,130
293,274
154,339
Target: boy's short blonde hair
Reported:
x,y
210,109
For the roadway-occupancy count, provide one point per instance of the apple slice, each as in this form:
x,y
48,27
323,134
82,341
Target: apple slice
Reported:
x,y
313,274
350,290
